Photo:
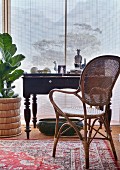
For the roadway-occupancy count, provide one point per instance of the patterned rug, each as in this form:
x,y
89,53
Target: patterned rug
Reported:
x,y
36,155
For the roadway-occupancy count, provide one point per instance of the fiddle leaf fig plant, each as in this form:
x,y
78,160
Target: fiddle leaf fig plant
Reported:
x,y
9,64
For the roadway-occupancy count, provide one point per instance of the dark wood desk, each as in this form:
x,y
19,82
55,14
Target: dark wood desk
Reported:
x,y
34,84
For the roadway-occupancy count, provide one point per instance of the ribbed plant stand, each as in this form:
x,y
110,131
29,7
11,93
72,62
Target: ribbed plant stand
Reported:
x,y
10,120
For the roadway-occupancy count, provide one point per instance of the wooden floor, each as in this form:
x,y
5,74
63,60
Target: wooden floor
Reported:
x,y
35,134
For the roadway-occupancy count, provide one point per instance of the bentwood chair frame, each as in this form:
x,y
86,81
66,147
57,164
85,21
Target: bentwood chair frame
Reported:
x,y
95,90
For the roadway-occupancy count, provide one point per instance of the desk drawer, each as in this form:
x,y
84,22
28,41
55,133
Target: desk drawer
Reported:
x,y
44,84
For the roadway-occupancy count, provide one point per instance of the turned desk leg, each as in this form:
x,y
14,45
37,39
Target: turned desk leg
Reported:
x,y
27,116
34,110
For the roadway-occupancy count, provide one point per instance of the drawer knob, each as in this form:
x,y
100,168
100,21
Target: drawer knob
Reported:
x,y
50,81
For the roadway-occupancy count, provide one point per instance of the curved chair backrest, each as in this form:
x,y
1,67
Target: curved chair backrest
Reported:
x,y
98,79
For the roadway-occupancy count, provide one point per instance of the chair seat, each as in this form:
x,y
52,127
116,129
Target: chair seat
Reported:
x,y
79,112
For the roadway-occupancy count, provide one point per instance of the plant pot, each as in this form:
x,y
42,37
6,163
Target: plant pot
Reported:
x,y
47,126
10,120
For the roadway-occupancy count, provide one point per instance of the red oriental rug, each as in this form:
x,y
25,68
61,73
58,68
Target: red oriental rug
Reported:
x,y
37,155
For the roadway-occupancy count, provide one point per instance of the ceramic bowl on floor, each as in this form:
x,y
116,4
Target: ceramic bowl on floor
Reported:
x,y
47,126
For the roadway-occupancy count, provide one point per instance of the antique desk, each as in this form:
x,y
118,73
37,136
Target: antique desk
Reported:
x,y
35,84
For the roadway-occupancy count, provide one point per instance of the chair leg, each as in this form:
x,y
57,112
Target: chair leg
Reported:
x,y
85,143
113,149
108,130
54,147
89,123
86,149
56,136
112,144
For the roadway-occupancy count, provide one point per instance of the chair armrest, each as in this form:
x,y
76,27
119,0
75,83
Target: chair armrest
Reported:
x,y
67,91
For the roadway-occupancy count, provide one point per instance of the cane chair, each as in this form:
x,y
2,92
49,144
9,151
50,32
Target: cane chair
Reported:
x,y
95,90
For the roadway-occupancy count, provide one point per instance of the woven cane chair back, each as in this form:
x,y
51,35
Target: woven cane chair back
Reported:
x,y
98,79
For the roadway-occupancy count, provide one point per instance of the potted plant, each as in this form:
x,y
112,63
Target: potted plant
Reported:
x,y
10,124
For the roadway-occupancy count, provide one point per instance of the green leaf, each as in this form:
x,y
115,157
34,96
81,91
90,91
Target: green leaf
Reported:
x,y
15,75
4,70
7,48
16,60
10,93
8,53
5,41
